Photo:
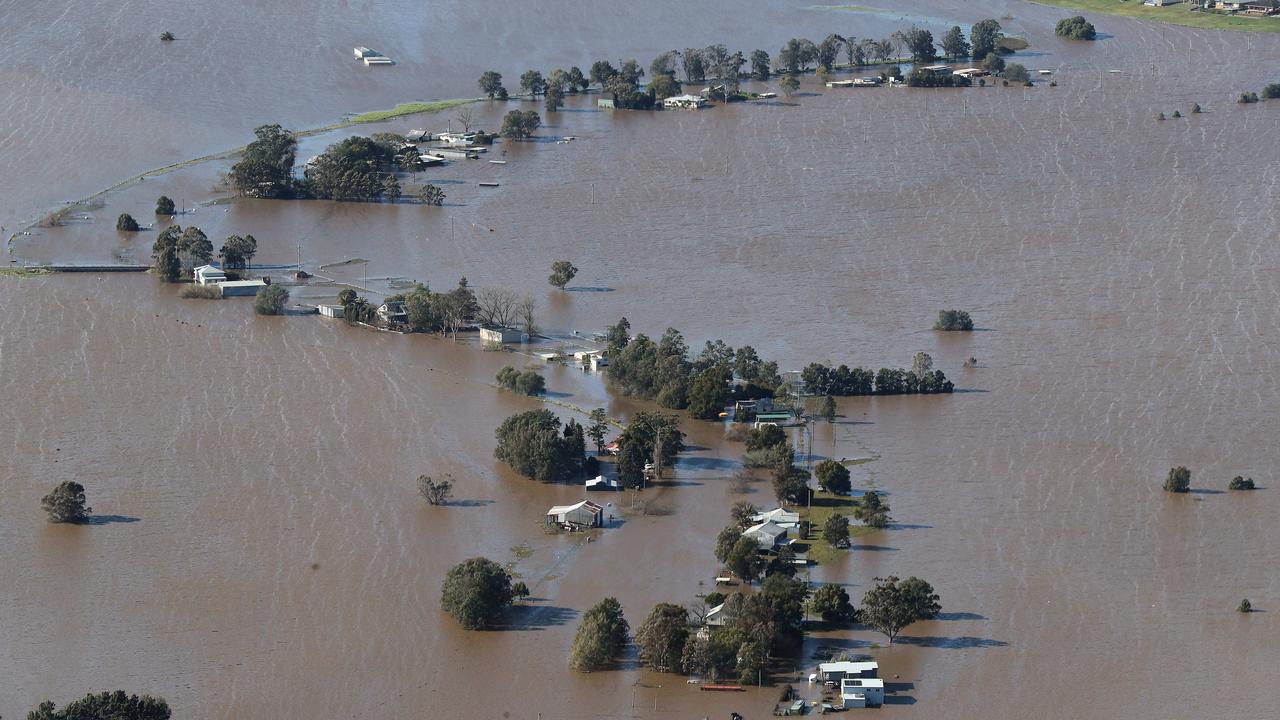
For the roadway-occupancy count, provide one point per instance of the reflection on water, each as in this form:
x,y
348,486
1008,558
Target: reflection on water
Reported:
x,y
281,564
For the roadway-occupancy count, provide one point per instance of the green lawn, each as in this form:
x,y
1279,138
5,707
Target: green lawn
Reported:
x,y
1176,14
410,109
826,504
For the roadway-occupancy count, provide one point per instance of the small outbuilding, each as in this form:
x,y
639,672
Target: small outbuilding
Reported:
x,y
600,482
332,311
583,514
862,692
241,288
683,102
501,335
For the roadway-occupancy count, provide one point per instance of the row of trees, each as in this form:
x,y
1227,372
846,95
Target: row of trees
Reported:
x,y
177,251
822,379
117,705
664,371
1179,481
355,168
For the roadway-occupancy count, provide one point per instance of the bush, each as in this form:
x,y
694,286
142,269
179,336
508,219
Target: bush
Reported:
x,y
164,206
1017,72
1177,113
271,300
1178,480
1245,606
65,504
167,36
833,477
526,383
1241,483
1075,28
993,63
1271,91
435,493
953,320
600,638
1247,97
476,592
126,223
203,292
1195,109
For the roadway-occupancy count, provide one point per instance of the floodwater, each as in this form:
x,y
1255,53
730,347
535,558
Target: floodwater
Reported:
x,y
262,552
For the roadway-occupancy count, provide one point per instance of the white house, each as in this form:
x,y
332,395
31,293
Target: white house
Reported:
x,y
501,335
683,102
862,692
768,535
580,514
393,312
835,672
363,52
715,616
209,275
601,482
788,520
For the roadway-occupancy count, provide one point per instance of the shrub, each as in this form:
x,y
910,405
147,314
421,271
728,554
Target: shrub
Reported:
x,y
65,504
1075,28
1241,483
271,300
1178,480
203,292
1195,109
972,362
475,592
126,223
953,320
435,493
1245,606
1271,91
1177,113
526,383
1017,72
167,36
164,206
1247,97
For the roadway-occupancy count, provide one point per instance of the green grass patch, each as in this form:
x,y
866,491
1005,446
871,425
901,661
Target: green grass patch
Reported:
x,y
23,271
825,505
522,551
410,109
1012,44
1174,14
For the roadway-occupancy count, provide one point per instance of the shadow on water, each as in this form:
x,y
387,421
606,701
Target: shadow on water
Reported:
x,y
908,526
536,617
469,503
709,463
590,289
950,643
891,696
958,391
554,394
1206,491
872,548
109,519
959,616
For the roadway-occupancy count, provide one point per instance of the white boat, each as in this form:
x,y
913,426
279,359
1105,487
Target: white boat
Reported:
x,y
497,162
1045,72
768,95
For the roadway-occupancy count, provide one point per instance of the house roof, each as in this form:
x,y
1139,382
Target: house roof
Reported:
x,y
862,683
583,504
242,283
768,529
848,666
206,268
601,480
777,515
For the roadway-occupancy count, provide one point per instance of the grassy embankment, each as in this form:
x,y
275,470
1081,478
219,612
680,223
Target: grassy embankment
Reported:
x,y
825,505
23,271
1174,14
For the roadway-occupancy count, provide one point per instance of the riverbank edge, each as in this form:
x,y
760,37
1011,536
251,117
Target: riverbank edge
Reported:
x,y
1173,15
400,110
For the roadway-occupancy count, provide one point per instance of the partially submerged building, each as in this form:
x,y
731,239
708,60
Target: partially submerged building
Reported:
x,y
768,535
502,335
600,482
684,102
583,514
209,275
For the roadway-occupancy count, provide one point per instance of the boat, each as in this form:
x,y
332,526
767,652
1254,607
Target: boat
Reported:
x,y
1045,72
768,95
497,162
488,184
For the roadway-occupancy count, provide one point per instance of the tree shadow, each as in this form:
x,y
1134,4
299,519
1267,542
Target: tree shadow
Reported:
x,y
589,289
554,394
959,616
108,520
536,617
891,696
709,463
950,643
908,526
673,483
959,391
872,548
1206,491
469,503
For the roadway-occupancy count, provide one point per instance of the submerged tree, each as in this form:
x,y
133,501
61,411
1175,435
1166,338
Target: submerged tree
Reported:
x,y
475,592
126,223
266,169
562,272
66,503
1178,480
953,43
431,195
600,638
164,206
435,492
893,605
116,705
662,635
491,85
271,300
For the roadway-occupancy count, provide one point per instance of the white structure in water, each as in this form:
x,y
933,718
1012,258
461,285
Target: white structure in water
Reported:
x,y
683,102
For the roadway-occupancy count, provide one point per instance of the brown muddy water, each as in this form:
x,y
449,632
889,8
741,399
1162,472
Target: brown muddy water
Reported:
x,y
261,550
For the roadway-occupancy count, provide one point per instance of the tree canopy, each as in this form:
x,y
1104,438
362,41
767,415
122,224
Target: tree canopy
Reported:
x,y
266,169
831,603
954,44
117,705
892,605
662,636
491,85
126,223
271,300
983,37
475,592
832,477
66,503
531,444
348,170
600,638
238,251
562,272
1075,28
518,124
1178,480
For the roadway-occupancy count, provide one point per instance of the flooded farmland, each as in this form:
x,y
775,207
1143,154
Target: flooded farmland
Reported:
x,y
261,551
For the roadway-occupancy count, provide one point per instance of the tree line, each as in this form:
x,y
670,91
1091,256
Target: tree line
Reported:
x,y
177,251
921,379
664,371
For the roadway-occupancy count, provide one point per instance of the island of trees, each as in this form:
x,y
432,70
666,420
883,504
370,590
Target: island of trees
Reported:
x,y
117,705
1075,28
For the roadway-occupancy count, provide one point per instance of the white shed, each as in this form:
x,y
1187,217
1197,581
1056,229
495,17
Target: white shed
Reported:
x,y
332,311
581,514
501,335
241,287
